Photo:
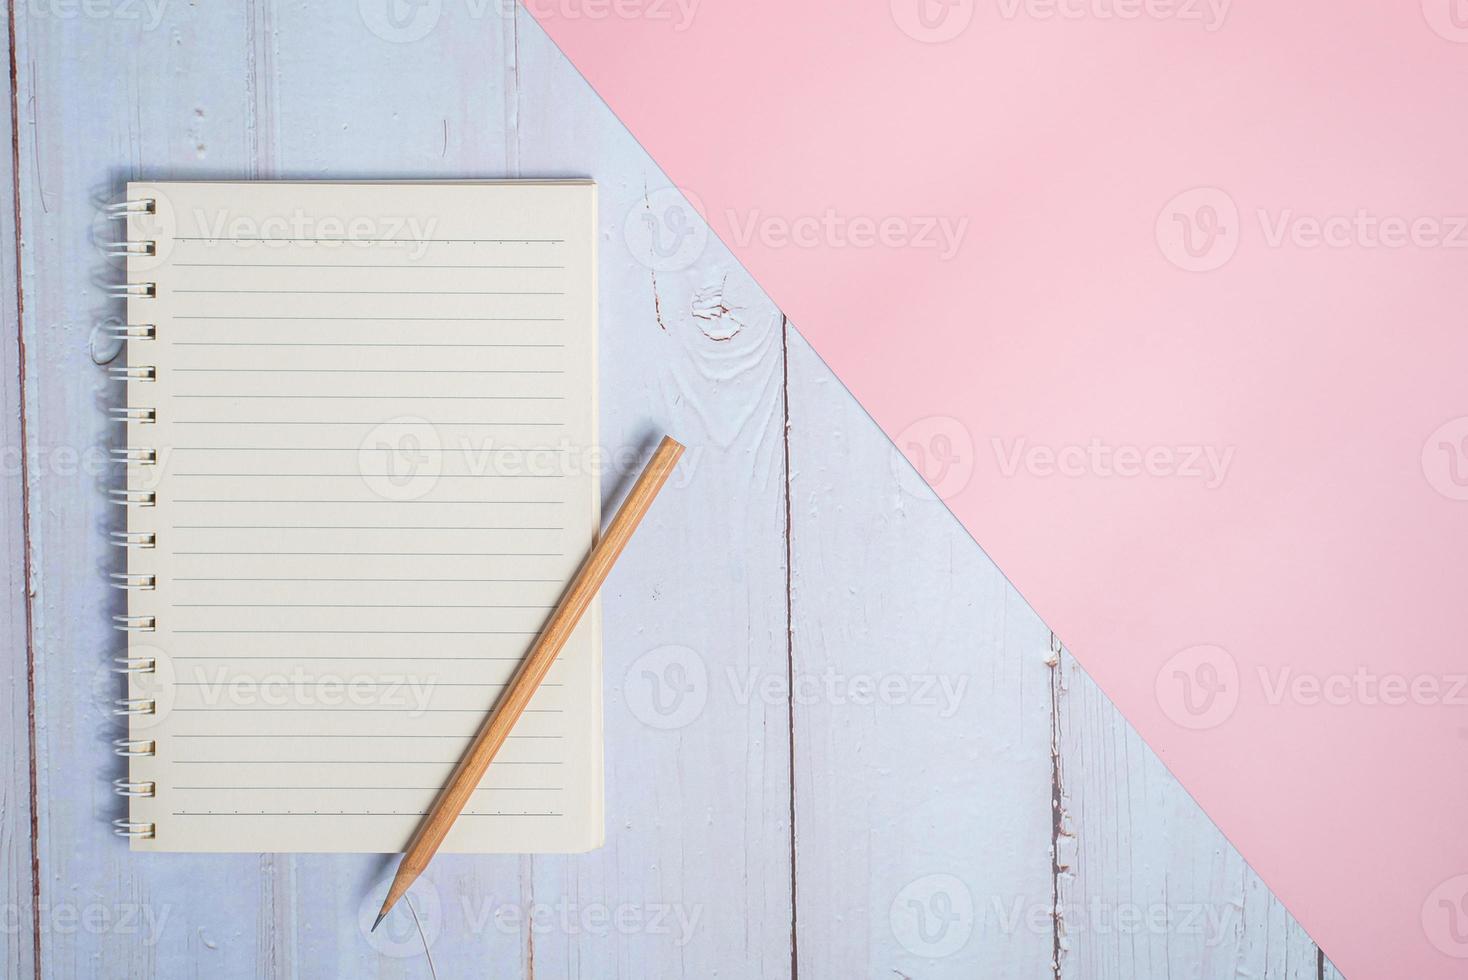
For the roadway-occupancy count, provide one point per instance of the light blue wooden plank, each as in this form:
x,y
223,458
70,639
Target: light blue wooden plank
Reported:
x,y
17,930
1148,886
105,97
698,780
922,723
339,94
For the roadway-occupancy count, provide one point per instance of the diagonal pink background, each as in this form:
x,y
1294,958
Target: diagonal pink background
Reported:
x,y
1282,620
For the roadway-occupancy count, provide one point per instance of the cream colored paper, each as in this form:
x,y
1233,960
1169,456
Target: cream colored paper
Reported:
x,y
376,421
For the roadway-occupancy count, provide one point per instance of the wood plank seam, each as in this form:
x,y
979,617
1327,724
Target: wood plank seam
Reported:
x,y
1073,691
25,502
1059,815
512,95
789,633
259,83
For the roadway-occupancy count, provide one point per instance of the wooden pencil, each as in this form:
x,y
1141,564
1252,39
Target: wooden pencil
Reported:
x,y
574,601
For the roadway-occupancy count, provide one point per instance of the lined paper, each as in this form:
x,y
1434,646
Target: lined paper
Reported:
x,y
376,473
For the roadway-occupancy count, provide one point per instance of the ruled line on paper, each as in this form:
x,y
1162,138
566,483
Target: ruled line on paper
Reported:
x,y
318,710
411,398
274,475
481,789
373,632
355,762
412,657
350,265
214,553
436,684
374,241
199,578
344,813
347,449
350,343
358,527
349,605
390,503
489,365
426,449
436,423
390,319
281,370
464,737
372,292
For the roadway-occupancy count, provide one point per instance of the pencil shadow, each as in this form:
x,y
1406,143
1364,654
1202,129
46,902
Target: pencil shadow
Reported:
x,y
622,477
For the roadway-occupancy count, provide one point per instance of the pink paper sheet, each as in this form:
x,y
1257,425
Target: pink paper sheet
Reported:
x,y
1169,300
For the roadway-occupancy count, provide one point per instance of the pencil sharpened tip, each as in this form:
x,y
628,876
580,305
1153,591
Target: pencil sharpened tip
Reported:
x,y
380,916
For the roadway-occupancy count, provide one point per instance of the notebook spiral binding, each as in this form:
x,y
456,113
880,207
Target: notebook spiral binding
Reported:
x,y
132,290
134,706
128,581
134,829
134,539
130,331
121,209
134,787
134,746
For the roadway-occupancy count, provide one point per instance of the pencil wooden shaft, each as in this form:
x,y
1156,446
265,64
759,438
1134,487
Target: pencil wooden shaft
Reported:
x,y
532,670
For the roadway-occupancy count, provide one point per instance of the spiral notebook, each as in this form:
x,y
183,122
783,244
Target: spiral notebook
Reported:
x,y
360,455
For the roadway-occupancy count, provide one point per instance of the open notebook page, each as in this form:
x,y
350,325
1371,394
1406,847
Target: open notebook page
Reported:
x,y
376,421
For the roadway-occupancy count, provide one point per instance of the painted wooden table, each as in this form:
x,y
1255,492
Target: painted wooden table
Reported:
x,y
839,744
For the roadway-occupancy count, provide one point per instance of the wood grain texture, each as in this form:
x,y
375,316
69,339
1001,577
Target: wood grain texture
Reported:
x,y
792,567
104,99
1148,886
697,770
17,881
922,817
1030,833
